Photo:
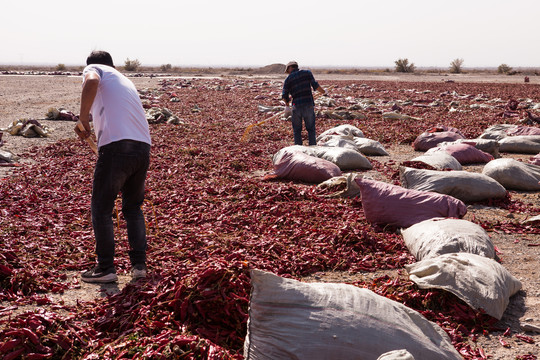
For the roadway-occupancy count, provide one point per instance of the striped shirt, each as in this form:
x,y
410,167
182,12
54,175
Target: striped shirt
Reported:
x,y
298,85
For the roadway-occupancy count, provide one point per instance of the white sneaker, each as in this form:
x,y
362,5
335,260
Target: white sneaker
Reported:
x,y
99,275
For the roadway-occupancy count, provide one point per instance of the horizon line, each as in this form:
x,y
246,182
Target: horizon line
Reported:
x,y
202,66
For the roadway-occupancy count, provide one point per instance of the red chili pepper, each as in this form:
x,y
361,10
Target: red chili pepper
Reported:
x,y
34,339
62,342
525,338
482,353
504,343
5,270
9,345
13,355
36,356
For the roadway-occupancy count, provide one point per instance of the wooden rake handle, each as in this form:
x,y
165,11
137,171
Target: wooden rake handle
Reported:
x,y
89,140
248,129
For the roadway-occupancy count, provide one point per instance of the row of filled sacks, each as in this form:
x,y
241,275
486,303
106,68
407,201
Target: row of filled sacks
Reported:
x,y
514,138
315,164
389,204
429,237
446,247
445,244
497,177
418,185
458,256
341,148
291,319
495,139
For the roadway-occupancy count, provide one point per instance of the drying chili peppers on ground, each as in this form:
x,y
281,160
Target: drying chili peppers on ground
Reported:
x,y
211,218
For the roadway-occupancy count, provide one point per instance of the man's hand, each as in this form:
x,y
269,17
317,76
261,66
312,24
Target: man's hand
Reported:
x,y
82,131
322,91
287,112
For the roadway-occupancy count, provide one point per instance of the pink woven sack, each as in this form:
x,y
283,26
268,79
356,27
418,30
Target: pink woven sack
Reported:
x,y
389,204
298,166
523,130
466,153
428,140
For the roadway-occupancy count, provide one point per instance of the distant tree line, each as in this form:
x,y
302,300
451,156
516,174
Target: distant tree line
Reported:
x,y
456,67
402,65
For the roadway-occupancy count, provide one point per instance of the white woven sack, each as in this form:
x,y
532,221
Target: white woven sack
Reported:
x,y
438,236
440,160
463,185
289,319
479,281
344,141
345,159
370,147
497,132
490,146
524,144
363,145
513,174
396,355
308,150
345,129
351,187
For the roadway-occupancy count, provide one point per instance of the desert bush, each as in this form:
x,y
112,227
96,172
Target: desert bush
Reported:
x,y
60,67
166,67
456,66
504,69
131,65
402,65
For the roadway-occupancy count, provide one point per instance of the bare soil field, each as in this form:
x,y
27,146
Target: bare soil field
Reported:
x,y
31,96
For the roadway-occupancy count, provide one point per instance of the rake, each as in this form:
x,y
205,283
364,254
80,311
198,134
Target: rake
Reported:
x,y
248,129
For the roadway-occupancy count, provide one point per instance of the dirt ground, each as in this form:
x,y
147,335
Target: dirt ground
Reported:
x,y
29,96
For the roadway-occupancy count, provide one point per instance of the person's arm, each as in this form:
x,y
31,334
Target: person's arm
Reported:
x,y
89,91
315,85
321,91
285,95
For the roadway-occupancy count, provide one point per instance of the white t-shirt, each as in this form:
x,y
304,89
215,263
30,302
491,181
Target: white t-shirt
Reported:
x,y
117,110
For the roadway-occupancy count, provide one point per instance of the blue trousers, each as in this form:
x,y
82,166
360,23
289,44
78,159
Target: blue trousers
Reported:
x,y
306,113
121,167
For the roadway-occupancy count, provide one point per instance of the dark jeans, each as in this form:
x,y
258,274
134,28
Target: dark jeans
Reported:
x,y
307,113
121,166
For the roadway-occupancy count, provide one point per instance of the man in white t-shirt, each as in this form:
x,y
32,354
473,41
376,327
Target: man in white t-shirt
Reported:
x,y
123,141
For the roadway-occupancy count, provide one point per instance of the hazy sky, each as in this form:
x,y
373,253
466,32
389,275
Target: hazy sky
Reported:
x,y
255,33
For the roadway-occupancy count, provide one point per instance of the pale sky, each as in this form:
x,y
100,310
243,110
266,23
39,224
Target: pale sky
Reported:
x,y
242,33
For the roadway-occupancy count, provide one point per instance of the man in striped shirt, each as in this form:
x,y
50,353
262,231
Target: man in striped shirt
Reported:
x,y
298,85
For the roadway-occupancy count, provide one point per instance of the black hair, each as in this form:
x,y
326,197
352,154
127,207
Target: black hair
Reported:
x,y
99,57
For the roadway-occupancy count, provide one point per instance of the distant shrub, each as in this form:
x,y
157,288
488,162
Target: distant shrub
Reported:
x,y
456,66
131,65
504,69
60,67
166,67
402,65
